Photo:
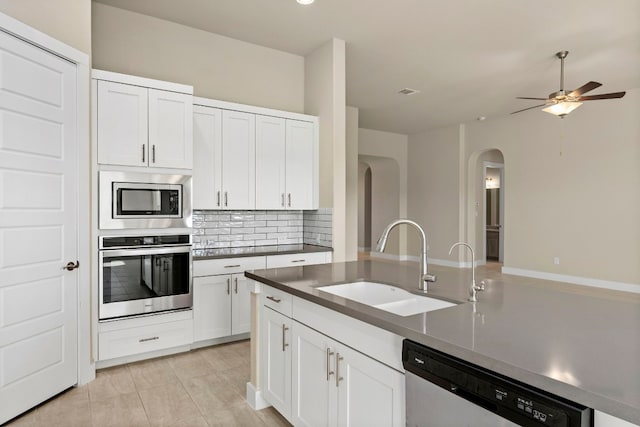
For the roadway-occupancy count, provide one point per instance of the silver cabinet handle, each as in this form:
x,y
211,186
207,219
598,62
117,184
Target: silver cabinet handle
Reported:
x,y
298,260
218,203
282,200
274,299
226,199
153,153
232,266
148,339
228,286
71,266
284,343
236,290
329,371
143,160
289,197
338,377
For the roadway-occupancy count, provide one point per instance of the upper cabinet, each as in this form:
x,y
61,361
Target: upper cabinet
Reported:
x,y
224,166
253,158
285,163
143,122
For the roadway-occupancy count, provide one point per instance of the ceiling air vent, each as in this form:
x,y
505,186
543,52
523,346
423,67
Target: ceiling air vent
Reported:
x,y
407,91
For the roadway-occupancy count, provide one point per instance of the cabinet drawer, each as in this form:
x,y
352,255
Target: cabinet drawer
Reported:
x,y
126,342
278,300
292,260
210,267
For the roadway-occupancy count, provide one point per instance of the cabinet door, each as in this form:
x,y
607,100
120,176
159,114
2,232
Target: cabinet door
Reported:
x,y
240,305
207,161
211,307
301,165
370,393
170,129
238,160
313,377
275,360
122,124
270,163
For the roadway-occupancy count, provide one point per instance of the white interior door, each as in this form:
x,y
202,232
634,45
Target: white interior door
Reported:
x,y
38,231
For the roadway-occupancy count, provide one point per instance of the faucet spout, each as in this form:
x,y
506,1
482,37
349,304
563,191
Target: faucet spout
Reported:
x,y
382,243
473,288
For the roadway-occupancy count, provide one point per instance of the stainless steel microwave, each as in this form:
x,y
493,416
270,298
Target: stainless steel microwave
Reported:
x,y
140,200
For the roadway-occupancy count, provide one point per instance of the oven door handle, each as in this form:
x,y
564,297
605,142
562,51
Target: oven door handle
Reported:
x,y
145,251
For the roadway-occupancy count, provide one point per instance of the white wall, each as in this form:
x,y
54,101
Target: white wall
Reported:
x,y
389,192
216,66
572,188
66,20
351,195
434,180
325,96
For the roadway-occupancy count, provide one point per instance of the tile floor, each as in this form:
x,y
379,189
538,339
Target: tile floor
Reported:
x,y
204,387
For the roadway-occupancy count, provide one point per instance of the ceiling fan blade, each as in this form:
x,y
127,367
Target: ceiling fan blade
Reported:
x,y
602,96
529,108
537,99
585,88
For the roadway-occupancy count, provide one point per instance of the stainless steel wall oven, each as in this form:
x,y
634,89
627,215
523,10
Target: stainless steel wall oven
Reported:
x,y
144,274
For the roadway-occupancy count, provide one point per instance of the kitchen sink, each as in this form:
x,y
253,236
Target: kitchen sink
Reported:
x,y
386,297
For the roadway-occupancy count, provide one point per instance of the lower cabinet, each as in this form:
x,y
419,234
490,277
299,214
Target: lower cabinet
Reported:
x,y
336,385
275,360
314,380
221,305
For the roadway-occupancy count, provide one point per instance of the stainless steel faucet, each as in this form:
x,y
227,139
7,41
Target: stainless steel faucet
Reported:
x,y
473,289
382,242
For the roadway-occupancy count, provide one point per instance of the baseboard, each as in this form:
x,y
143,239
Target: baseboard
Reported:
x,y
255,399
216,341
363,249
576,280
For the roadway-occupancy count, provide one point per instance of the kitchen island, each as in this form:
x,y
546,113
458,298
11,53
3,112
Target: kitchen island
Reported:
x,y
576,342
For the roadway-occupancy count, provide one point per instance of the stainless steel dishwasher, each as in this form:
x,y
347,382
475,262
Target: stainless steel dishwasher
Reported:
x,y
443,391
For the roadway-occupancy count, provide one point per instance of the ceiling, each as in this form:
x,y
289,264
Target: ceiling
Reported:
x,y
468,58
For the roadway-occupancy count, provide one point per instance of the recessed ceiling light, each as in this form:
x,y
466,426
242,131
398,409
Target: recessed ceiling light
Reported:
x,y
305,2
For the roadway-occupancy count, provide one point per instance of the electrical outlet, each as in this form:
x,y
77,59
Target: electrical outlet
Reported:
x,y
556,260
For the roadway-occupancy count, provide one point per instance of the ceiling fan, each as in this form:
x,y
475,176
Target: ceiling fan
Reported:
x,y
562,103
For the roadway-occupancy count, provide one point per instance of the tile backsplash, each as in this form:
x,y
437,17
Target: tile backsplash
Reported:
x,y
318,227
232,229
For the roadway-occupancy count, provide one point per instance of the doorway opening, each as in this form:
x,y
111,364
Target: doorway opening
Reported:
x,y
378,203
493,211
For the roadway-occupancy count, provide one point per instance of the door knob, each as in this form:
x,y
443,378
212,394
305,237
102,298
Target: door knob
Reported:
x,y
71,266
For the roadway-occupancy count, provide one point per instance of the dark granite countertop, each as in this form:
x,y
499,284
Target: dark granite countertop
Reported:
x,y
214,253
577,342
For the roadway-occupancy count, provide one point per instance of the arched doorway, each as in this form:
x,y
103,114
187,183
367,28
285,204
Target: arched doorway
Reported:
x,y
487,193
378,202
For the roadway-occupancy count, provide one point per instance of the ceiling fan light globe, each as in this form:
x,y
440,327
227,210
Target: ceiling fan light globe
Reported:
x,y
561,109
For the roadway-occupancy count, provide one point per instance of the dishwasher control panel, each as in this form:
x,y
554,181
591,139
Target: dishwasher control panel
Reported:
x,y
508,398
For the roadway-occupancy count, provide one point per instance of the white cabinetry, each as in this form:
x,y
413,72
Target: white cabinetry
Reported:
x,y
221,297
299,259
336,385
207,163
285,162
224,165
238,160
313,379
253,158
275,360
138,335
139,125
